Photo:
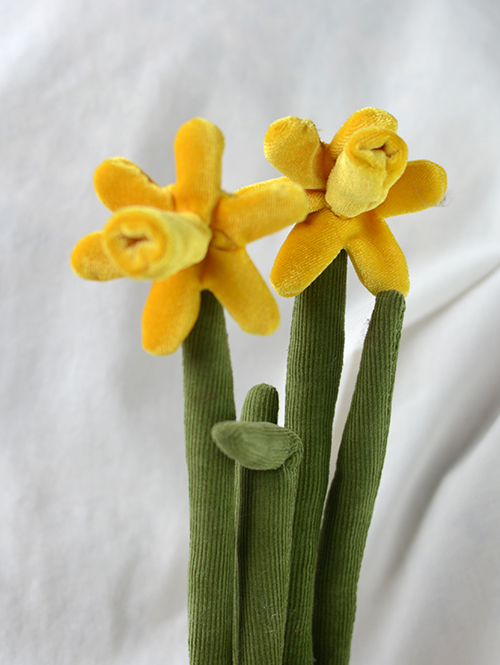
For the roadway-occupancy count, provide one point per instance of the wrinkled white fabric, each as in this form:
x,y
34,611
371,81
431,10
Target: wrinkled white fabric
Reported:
x,y
93,485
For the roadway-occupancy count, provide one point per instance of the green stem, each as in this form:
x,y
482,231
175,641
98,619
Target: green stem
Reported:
x,y
313,375
261,405
208,393
268,459
265,543
351,498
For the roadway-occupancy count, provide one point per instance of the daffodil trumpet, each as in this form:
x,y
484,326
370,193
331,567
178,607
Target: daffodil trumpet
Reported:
x,y
147,243
370,163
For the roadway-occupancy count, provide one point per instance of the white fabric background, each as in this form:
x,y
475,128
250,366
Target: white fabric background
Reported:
x,y
93,486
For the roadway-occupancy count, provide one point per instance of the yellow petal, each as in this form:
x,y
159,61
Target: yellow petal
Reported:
x,y
90,261
376,256
259,185
369,117
293,147
422,185
119,182
147,243
371,162
171,311
237,284
254,213
315,200
309,248
198,150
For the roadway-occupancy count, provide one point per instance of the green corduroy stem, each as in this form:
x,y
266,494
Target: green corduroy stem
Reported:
x,y
208,399
351,498
264,528
261,405
315,360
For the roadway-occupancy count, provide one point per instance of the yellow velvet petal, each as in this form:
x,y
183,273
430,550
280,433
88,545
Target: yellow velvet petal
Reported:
x,y
252,214
315,200
147,243
422,185
259,185
293,147
371,162
171,311
309,248
376,256
119,182
237,284
90,260
368,117
198,150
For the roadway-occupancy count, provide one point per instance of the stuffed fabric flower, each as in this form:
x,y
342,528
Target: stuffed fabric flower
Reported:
x,y
188,237
353,183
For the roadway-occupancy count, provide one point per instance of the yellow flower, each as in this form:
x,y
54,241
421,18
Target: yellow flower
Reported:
x,y
188,237
353,183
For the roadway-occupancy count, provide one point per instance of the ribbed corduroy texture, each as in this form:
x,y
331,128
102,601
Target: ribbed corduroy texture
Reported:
x,y
261,405
315,360
208,390
351,498
264,526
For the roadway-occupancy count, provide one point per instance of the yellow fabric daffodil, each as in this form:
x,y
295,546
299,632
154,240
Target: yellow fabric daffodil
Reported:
x,y
353,183
188,237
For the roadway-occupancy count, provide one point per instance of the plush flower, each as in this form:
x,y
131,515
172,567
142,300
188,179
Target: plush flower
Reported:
x,y
188,237
353,183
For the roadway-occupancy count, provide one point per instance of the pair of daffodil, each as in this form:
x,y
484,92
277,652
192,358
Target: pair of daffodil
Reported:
x,y
191,236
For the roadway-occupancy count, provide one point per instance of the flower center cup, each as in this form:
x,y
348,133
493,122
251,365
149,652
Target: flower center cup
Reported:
x,y
152,244
370,163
